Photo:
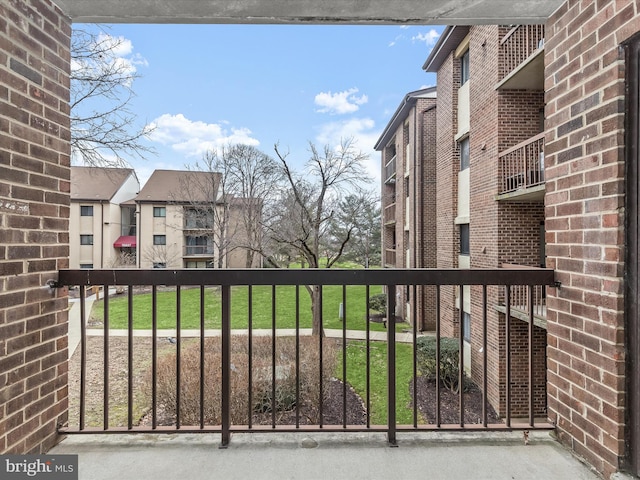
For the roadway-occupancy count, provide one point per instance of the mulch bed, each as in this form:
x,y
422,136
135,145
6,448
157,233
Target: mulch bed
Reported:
x,y
332,407
450,403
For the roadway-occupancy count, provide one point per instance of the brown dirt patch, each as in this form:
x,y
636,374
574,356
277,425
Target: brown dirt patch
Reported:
x,y
332,407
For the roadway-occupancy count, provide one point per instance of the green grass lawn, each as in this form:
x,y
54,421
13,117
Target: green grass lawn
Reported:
x,y
285,300
356,377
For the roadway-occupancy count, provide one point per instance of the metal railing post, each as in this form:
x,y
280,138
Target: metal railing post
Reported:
x,y
226,365
391,365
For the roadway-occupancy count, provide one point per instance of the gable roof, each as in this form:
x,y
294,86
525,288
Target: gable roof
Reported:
x,y
401,113
97,183
448,41
180,186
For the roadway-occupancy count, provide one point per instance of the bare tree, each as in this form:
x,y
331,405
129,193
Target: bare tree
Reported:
x,y
254,179
206,206
123,260
228,198
161,256
310,205
103,126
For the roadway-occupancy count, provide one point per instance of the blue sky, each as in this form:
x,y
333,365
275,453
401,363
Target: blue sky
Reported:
x,y
203,86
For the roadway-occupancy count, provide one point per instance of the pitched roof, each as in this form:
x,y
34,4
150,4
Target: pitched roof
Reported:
x,y
180,186
97,183
401,113
448,41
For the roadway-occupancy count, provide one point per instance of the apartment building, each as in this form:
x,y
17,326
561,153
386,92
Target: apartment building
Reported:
x,y
463,187
178,220
407,145
102,225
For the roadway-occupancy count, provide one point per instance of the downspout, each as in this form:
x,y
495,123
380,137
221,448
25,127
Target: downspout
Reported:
x,y
101,234
138,233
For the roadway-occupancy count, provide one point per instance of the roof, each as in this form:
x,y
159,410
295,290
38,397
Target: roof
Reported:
x,y
97,183
401,113
448,41
180,186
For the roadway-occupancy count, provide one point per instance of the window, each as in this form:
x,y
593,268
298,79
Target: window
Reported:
x,y
159,265
198,219
464,68
86,210
86,265
466,327
159,239
198,246
159,211
464,239
198,264
86,239
464,153
406,187
128,221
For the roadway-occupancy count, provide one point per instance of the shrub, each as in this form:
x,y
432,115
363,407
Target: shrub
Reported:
x,y
378,302
449,360
261,382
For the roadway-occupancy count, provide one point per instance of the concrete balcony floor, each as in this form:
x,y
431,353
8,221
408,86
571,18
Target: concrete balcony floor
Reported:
x,y
353,456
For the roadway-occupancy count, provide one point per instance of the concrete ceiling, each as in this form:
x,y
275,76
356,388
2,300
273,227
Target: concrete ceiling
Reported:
x,y
437,12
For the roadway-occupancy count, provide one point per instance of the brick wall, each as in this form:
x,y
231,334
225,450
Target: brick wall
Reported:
x,y
447,167
499,231
428,248
34,212
584,160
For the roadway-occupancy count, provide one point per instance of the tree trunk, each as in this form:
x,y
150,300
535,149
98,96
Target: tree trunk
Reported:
x,y
316,311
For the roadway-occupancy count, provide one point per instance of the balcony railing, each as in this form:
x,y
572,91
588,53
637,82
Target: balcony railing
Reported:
x,y
390,171
390,213
525,301
519,44
198,250
204,358
522,166
390,257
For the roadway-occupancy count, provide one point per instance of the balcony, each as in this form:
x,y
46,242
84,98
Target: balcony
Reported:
x,y
193,338
525,302
198,251
390,257
390,213
390,171
279,455
522,168
522,50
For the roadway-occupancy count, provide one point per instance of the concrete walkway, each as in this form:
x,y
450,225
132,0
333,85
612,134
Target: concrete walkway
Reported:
x,y
75,322
352,456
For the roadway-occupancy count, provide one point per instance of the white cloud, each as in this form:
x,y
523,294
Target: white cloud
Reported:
x,y
340,102
194,138
429,38
110,54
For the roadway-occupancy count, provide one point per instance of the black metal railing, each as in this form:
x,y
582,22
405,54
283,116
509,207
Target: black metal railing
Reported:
x,y
214,349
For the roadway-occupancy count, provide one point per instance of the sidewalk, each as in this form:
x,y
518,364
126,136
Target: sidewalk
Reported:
x,y
74,330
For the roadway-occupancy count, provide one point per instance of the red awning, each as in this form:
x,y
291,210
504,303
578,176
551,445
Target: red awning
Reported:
x,y
125,241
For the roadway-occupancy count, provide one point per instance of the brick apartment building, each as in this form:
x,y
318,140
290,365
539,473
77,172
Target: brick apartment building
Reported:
x,y
464,184
408,198
178,220
591,206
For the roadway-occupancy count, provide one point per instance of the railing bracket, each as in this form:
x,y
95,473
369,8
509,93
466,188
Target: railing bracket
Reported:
x,y
51,283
